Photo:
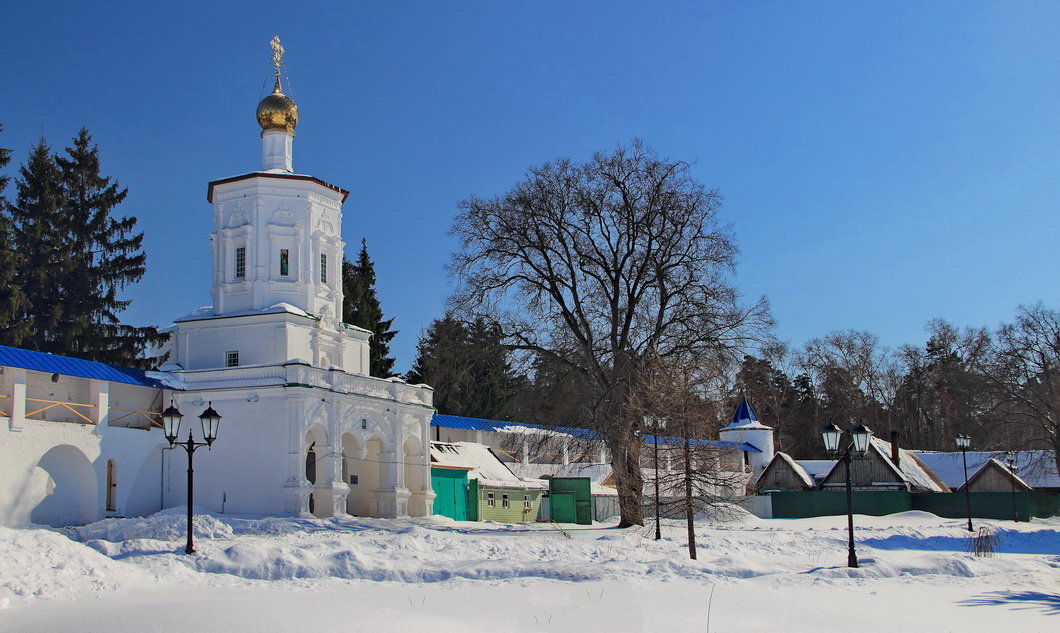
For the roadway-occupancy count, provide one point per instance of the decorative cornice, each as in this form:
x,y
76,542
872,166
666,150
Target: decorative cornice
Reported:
x,y
260,174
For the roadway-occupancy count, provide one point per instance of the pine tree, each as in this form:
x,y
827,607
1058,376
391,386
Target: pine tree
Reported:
x,y
75,257
468,367
360,307
13,326
45,252
109,257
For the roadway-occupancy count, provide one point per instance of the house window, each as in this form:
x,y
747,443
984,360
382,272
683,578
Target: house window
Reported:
x,y
490,500
285,262
504,502
241,262
527,503
323,268
232,359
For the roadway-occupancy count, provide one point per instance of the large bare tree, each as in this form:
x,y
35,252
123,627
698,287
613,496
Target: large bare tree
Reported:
x,y
595,265
1025,370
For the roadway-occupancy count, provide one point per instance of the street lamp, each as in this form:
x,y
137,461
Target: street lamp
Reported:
x,y
860,436
210,421
1010,457
963,442
656,424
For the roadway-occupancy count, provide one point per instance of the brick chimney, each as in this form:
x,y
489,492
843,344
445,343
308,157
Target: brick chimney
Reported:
x,y
895,454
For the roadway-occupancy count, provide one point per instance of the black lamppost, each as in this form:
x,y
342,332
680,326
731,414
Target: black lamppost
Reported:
x,y
656,424
210,420
859,442
1012,460
963,442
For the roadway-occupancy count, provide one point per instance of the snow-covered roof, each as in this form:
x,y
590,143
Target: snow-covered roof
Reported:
x,y
207,312
744,417
520,428
598,474
482,464
817,468
1036,468
806,477
909,467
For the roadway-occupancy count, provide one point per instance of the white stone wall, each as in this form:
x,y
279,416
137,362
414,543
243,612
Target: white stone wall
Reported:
x,y
56,472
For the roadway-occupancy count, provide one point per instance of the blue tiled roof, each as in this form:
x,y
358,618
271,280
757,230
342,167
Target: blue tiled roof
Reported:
x,y
480,424
67,366
719,444
744,414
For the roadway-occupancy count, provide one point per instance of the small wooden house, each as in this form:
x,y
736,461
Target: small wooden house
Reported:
x,y
994,476
784,474
484,485
885,466
1035,468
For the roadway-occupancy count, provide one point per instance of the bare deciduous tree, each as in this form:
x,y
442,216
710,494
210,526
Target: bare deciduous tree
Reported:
x,y
1025,371
595,265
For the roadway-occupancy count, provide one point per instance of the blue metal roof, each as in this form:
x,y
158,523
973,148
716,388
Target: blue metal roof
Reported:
x,y
67,366
480,424
719,444
744,413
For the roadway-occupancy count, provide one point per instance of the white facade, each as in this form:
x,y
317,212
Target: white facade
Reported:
x,y
304,427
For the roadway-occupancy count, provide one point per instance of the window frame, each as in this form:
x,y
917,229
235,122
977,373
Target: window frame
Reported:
x,y
230,356
491,500
241,262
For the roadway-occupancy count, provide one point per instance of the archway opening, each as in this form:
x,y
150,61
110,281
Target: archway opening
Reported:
x,y
67,488
316,443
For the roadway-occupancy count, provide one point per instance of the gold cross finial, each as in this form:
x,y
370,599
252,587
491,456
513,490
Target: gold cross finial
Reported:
x,y
277,60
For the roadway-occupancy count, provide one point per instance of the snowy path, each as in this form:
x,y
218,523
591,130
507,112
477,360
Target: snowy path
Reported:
x,y
297,574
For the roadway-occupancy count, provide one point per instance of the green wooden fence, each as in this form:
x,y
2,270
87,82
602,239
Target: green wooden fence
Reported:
x,y
985,505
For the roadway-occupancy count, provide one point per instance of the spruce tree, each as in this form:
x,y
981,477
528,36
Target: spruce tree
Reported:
x,y
13,325
468,367
109,257
360,307
45,252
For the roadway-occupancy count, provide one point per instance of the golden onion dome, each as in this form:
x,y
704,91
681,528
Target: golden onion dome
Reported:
x,y
277,111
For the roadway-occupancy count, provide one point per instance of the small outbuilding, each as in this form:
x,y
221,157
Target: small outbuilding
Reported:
x,y
473,484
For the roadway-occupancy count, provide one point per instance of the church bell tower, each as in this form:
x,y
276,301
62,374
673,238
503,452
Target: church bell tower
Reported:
x,y
277,249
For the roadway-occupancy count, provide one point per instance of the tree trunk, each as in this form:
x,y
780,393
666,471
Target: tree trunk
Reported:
x,y
629,481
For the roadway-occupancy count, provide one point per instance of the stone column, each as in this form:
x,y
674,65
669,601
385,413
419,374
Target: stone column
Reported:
x,y
330,491
17,395
99,392
391,496
296,489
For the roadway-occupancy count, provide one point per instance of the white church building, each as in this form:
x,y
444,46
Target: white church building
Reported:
x,y
304,427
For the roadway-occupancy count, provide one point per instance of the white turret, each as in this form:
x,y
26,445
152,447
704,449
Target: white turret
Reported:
x,y
745,428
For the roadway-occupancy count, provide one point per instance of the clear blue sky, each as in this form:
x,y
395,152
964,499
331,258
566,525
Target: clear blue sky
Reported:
x,y
881,163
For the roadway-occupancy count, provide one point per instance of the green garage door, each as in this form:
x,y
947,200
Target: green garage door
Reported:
x,y
450,486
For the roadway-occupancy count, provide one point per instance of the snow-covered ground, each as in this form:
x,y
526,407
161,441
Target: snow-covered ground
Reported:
x,y
258,575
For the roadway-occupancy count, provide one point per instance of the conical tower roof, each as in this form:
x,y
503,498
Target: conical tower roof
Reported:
x,y
744,417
